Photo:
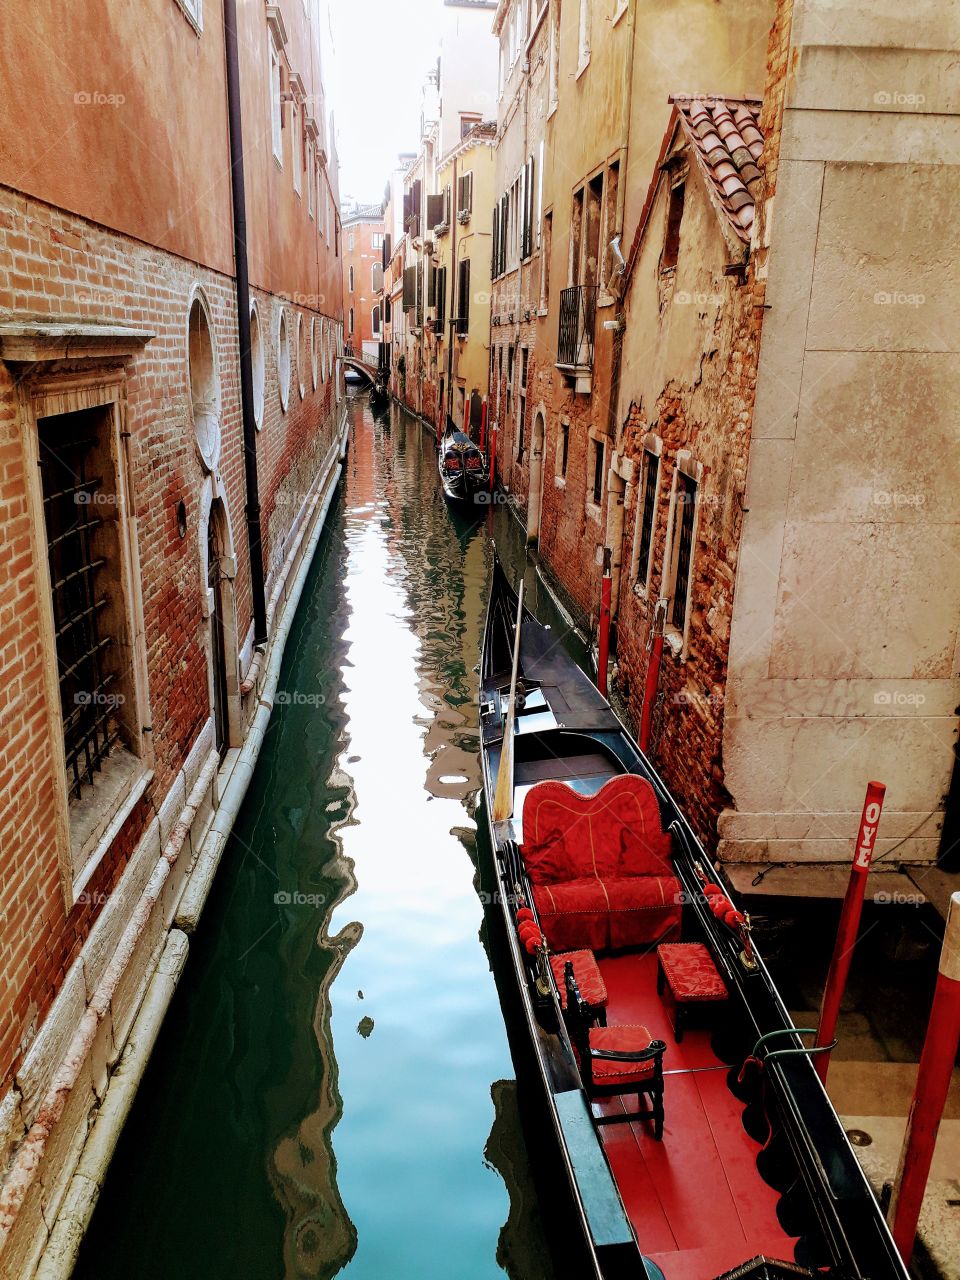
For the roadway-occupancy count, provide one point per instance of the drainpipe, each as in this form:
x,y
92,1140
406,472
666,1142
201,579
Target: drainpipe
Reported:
x,y
254,538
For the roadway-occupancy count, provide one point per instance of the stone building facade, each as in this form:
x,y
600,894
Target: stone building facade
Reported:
x,y
730,411
438,276
136,677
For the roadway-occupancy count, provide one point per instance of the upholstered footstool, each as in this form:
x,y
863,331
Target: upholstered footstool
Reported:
x,y
688,970
588,977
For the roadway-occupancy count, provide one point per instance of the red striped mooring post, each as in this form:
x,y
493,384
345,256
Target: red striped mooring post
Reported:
x,y
930,1093
603,640
849,926
652,681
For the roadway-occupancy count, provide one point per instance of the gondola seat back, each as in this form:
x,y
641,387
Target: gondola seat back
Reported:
x,y
600,865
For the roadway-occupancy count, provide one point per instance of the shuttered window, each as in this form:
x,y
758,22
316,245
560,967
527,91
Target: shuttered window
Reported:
x,y
463,297
465,196
526,242
410,288
441,298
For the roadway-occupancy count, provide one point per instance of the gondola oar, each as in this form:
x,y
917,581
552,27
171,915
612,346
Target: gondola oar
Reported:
x,y
503,797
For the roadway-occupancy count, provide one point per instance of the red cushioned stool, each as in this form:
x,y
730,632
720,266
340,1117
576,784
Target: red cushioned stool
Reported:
x,y
688,970
589,979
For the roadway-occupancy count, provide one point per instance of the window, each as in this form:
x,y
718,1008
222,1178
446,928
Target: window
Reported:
x,y
204,382
576,236
351,242
296,146
467,122
350,326
283,361
378,240
302,355
596,492
564,450
311,176
646,517
465,196
376,322
350,279
276,120
611,217
521,426
545,263
259,367
510,355
313,351
585,14
440,295
671,241
96,658
463,296
376,277
682,549
193,9
591,231
554,59
526,236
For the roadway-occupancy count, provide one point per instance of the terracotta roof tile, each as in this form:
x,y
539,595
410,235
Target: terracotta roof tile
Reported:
x,y
726,138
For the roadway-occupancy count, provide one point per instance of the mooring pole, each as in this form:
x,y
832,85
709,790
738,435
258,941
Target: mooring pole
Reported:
x,y
493,457
483,428
603,640
653,673
930,1094
849,926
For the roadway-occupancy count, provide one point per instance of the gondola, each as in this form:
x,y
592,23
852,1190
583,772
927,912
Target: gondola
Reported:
x,y
463,469
697,1139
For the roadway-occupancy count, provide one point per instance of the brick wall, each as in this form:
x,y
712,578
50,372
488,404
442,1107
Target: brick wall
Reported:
x,y
52,266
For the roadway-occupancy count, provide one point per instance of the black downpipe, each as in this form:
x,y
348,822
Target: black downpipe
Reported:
x,y
254,537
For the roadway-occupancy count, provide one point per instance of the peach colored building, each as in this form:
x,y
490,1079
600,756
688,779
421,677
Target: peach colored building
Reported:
x,y
363,237
165,458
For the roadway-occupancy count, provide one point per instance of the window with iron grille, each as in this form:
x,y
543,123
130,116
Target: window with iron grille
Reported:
x,y
683,557
646,514
564,448
82,517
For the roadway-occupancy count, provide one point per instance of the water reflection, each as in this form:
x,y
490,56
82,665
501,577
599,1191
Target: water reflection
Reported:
x,y
332,1091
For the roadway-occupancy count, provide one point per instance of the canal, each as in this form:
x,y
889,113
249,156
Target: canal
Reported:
x,y
333,1091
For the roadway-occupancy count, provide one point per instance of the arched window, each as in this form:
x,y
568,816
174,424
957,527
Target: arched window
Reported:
x,y
283,360
257,361
314,359
302,355
204,382
376,322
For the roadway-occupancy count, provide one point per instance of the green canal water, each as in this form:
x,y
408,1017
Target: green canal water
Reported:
x,y
333,1090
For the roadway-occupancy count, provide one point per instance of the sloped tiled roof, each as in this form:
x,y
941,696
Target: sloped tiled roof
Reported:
x,y
726,138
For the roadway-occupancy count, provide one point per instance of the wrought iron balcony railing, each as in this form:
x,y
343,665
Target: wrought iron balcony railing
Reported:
x,y
578,313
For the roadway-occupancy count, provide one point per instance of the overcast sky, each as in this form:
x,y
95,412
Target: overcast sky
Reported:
x,y
383,50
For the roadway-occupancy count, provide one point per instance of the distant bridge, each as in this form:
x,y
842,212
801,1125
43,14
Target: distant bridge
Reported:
x,y
362,366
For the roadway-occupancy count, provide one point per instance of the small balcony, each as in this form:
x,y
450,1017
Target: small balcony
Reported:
x,y
578,314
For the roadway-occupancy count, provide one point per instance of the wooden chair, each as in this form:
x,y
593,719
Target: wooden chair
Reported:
x,y
616,1060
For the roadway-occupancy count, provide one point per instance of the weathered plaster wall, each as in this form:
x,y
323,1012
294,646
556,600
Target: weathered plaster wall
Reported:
x,y
843,656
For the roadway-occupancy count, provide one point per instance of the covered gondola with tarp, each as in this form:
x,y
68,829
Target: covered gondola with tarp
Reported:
x,y
463,468
696,1136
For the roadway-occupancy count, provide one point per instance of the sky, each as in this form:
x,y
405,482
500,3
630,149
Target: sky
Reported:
x,y
382,52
